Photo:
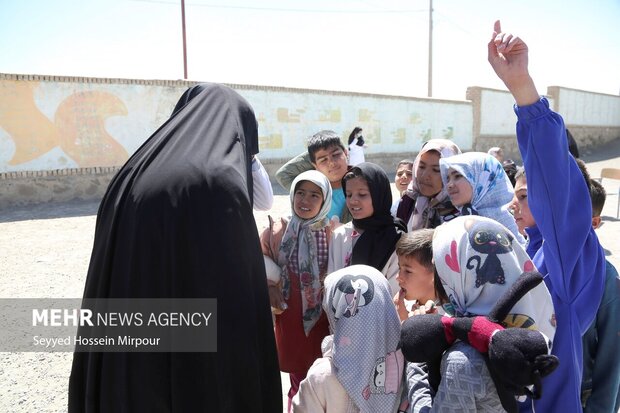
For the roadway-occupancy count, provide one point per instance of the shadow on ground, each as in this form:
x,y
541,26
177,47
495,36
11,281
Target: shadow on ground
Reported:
x,y
49,210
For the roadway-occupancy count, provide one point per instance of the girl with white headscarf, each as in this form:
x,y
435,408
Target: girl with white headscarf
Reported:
x,y
491,190
362,368
296,253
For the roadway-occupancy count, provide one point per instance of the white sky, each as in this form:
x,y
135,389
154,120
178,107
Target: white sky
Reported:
x,y
375,46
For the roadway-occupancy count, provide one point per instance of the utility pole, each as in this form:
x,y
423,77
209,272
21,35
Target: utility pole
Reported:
x,y
430,49
184,41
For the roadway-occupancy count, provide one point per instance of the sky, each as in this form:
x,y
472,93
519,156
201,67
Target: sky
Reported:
x,y
369,46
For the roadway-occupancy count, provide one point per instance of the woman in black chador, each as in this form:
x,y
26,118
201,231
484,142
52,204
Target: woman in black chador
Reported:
x,y
176,222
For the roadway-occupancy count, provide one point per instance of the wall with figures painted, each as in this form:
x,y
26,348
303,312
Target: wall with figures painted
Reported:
x,y
63,138
57,123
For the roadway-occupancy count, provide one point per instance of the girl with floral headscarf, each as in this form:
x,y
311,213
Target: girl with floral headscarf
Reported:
x,y
478,185
295,253
425,203
362,368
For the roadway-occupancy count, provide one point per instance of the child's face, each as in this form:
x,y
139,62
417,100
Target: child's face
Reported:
x,y
428,174
331,162
459,188
416,279
519,206
359,200
308,200
403,177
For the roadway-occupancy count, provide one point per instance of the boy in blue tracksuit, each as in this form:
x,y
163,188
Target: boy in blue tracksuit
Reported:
x,y
600,387
570,258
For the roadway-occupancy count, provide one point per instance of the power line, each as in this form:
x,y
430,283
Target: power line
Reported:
x,y
285,10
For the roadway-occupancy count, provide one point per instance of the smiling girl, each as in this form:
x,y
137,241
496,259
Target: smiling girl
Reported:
x,y
425,203
372,235
296,251
478,185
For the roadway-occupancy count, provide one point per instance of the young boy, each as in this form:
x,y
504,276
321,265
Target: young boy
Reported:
x,y
570,258
416,276
326,154
404,175
600,386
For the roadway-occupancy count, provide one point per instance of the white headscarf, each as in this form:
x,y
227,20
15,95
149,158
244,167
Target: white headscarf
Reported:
x,y
299,237
477,260
366,357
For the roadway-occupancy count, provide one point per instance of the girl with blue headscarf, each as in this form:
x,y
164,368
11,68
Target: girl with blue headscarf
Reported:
x,y
477,185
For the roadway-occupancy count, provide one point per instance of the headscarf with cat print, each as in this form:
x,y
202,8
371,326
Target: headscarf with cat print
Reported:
x,y
477,260
365,354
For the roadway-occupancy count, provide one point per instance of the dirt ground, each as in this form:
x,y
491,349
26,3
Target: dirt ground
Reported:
x,y
45,250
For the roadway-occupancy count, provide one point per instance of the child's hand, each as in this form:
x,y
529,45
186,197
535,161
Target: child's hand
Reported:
x,y
334,222
399,302
276,299
428,308
508,55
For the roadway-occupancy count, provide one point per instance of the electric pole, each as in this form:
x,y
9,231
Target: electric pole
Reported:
x,y
184,41
430,49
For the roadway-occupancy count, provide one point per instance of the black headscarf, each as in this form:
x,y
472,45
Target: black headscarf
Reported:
x,y
381,230
176,222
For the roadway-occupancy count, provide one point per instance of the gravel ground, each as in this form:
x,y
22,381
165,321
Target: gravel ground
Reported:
x,y
45,253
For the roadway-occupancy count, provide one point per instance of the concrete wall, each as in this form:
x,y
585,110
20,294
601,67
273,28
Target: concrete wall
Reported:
x,y
63,137
593,118
58,123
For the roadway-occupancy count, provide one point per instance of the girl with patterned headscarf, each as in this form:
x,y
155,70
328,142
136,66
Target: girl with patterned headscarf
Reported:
x,y
295,253
478,185
478,260
362,367
425,203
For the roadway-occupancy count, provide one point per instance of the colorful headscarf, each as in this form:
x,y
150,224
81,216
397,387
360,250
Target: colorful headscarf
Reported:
x,y
477,260
366,357
425,209
299,237
492,190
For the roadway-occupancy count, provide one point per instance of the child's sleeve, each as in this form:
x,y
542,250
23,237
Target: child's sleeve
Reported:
x,y
289,171
313,390
262,190
335,259
419,392
606,369
560,203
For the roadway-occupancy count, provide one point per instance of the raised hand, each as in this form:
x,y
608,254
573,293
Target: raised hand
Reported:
x,y
508,56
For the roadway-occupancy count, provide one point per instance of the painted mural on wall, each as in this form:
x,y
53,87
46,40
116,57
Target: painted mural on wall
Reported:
x,y
57,125
47,125
391,125
76,127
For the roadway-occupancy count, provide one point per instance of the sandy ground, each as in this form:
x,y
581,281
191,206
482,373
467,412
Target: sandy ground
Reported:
x,y
45,251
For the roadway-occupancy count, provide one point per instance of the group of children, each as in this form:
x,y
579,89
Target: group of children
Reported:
x,y
349,265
